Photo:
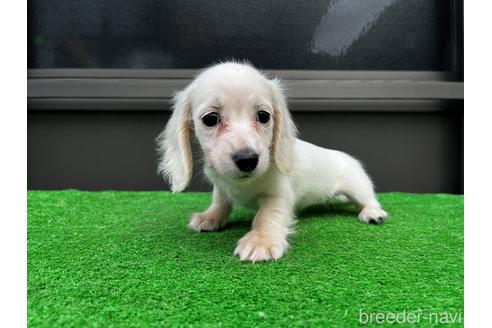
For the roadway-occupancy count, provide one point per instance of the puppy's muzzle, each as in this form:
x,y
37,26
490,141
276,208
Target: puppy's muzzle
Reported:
x,y
245,160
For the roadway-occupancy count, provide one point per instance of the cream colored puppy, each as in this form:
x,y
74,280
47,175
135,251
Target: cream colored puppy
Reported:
x,y
253,158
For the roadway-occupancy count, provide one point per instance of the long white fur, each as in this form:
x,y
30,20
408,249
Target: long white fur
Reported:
x,y
291,173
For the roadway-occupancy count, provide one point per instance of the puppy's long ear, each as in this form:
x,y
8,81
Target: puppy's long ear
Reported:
x,y
284,130
175,163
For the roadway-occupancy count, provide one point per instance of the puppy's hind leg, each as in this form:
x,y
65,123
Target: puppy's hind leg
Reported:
x,y
215,217
358,187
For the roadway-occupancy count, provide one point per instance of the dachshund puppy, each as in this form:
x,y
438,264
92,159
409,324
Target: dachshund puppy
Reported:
x,y
253,159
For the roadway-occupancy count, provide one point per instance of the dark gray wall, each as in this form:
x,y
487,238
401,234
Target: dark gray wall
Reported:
x,y
411,151
284,34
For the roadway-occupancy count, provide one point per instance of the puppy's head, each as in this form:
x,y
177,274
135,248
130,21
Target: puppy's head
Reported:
x,y
240,119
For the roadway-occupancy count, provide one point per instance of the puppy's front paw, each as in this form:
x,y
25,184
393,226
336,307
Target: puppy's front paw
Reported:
x,y
257,246
206,222
372,215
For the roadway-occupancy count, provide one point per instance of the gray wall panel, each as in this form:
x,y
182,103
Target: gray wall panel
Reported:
x,y
101,150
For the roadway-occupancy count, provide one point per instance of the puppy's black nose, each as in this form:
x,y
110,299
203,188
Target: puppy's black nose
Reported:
x,y
245,160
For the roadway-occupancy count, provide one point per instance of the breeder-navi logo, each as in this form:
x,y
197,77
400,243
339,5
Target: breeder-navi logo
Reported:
x,y
411,317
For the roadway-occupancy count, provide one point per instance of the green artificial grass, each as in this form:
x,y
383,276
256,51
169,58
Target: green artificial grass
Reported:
x,y
126,259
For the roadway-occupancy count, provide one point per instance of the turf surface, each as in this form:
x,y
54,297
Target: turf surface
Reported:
x,y
126,259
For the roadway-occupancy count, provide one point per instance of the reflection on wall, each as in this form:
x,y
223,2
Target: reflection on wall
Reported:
x,y
344,23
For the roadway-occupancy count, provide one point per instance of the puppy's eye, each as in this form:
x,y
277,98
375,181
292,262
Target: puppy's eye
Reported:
x,y
211,119
263,117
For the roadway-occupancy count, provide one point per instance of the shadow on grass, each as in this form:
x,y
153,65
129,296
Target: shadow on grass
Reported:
x,y
242,223
330,210
223,241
